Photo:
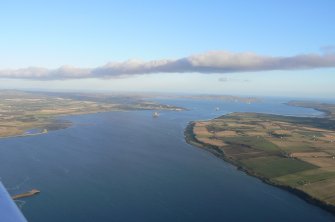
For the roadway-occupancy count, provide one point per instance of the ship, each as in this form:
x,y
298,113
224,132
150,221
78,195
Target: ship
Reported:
x,y
155,114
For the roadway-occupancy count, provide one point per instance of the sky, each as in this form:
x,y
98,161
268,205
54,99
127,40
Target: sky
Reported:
x,y
263,48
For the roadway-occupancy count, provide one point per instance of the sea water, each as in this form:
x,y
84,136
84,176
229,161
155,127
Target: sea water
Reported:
x,y
128,166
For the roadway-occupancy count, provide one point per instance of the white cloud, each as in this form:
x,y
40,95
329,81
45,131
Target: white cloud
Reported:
x,y
209,62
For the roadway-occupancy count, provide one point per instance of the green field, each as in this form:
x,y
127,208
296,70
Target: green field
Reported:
x,y
257,142
274,166
305,177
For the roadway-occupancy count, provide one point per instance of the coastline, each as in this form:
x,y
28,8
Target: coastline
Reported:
x,y
29,113
44,128
54,119
191,139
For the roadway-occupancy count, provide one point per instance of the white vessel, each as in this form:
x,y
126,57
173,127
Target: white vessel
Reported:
x,y
155,114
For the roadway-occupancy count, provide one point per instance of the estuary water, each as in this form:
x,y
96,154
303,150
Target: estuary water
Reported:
x,y
128,166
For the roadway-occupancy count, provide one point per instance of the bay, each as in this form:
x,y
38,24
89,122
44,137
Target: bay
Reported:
x,y
128,166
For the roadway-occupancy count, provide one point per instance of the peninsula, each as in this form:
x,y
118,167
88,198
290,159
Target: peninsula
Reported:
x,y
22,112
295,153
31,193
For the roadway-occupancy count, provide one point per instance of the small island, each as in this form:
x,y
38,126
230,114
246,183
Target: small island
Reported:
x,y
294,153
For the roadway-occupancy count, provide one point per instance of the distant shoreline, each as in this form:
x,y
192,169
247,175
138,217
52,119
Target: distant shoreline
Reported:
x,y
66,124
21,111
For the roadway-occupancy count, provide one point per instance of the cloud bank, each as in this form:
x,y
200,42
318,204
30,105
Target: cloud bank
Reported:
x,y
206,63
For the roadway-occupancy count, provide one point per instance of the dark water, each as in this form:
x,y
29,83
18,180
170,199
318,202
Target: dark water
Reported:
x,y
128,166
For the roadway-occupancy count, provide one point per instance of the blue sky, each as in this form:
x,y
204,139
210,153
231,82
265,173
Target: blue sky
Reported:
x,y
89,34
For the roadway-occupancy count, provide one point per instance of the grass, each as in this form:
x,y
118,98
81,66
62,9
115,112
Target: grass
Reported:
x,y
311,134
273,166
297,148
320,189
305,177
255,142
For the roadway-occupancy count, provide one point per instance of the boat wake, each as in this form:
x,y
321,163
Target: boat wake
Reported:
x,y
18,186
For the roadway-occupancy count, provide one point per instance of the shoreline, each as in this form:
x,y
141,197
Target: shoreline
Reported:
x,y
216,151
55,118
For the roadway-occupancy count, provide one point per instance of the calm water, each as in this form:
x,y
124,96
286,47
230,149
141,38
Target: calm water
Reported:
x,y
127,166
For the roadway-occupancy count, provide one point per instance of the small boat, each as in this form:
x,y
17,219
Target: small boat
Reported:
x,y
155,115
217,109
